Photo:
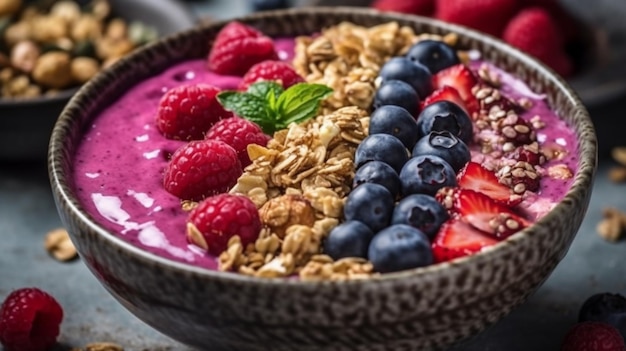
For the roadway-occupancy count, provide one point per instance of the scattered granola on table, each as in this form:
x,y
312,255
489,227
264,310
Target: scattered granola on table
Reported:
x,y
613,225
59,245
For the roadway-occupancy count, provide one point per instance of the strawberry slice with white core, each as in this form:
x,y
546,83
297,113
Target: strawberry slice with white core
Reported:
x,y
485,214
446,93
457,239
478,178
461,78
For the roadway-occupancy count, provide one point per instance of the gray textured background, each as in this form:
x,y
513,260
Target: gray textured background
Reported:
x,y
592,265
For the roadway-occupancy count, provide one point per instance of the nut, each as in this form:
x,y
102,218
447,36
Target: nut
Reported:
x,y
613,225
24,55
59,245
84,68
617,174
53,70
86,27
282,212
619,155
9,7
69,11
48,29
560,171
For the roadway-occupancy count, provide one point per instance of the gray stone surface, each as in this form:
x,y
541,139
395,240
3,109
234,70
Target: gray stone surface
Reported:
x,y
27,212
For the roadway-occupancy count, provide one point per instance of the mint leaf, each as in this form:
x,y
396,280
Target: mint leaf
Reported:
x,y
300,102
263,88
247,105
270,106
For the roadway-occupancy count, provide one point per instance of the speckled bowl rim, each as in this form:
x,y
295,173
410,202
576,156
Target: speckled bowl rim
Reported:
x,y
582,183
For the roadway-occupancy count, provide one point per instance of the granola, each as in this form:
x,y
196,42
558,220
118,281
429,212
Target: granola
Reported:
x,y
299,183
348,57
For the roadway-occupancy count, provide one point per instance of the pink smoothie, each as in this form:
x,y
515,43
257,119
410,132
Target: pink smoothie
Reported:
x,y
119,164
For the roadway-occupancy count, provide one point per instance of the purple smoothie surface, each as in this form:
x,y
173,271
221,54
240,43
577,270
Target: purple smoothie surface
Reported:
x,y
119,164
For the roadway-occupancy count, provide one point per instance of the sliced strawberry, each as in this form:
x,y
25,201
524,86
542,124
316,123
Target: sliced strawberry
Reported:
x,y
461,78
447,93
478,178
457,239
486,214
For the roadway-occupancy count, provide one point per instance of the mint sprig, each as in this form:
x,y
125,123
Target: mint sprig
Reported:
x,y
270,106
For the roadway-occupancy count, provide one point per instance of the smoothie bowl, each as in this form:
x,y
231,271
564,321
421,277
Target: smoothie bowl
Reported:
x,y
396,183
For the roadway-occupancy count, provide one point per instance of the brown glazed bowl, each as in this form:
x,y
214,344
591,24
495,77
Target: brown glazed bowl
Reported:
x,y
420,309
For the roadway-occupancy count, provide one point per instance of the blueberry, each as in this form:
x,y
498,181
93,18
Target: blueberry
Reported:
x,y
445,115
398,93
399,247
445,145
380,173
605,307
371,204
413,73
264,5
420,211
434,54
349,239
425,175
397,121
381,147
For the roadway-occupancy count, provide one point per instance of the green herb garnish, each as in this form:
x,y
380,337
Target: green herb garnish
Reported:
x,y
267,104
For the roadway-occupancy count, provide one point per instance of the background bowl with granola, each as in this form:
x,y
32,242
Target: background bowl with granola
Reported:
x,y
428,307
48,49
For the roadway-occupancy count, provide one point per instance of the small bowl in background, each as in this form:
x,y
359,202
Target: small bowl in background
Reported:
x,y
426,308
26,124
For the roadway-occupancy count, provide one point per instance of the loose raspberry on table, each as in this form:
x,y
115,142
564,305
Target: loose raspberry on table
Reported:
x,y
202,168
238,133
30,320
238,47
188,111
593,336
220,217
279,71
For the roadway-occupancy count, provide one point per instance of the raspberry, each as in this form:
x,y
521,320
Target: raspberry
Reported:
x,y
414,7
238,133
187,112
489,16
223,216
534,31
529,155
278,71
29,320
202,168
238,47
593,336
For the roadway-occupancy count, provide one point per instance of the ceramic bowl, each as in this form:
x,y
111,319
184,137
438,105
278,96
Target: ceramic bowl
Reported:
x,y
25,125
420,309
